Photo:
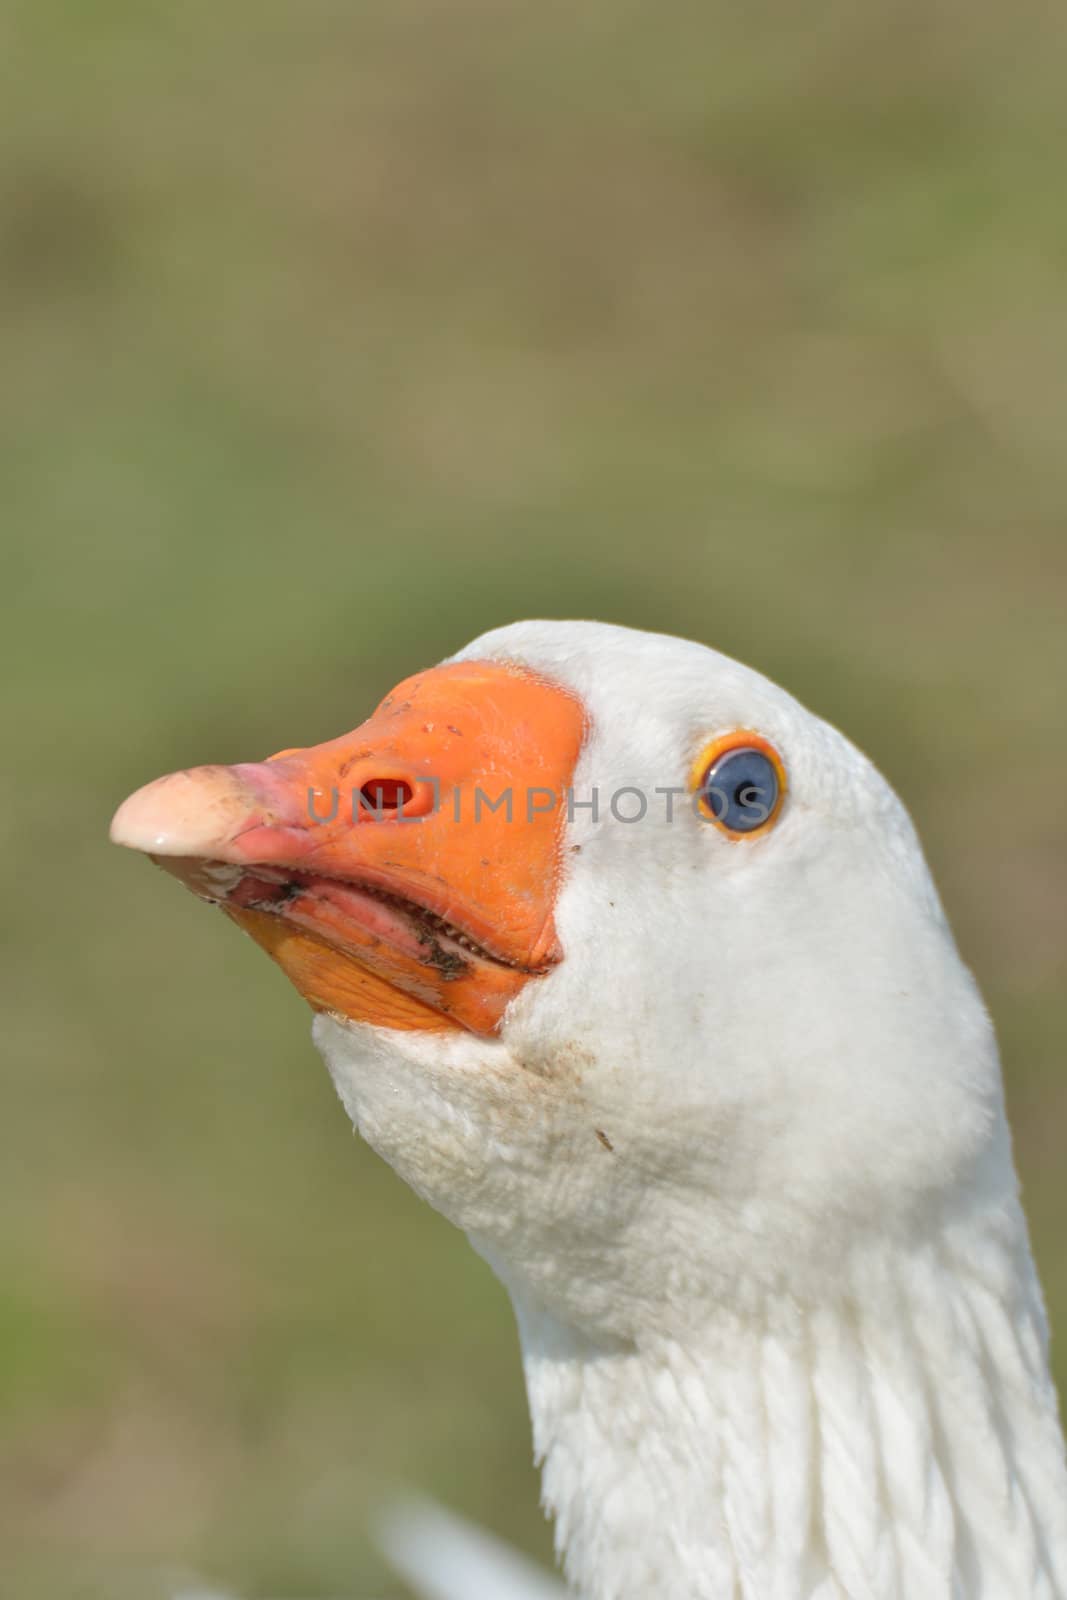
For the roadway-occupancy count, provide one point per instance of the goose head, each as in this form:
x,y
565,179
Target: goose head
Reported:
x,y
678,1024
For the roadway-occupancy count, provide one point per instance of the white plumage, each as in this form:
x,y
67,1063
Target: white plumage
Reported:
x,y
443,1557
785,1341
742,1162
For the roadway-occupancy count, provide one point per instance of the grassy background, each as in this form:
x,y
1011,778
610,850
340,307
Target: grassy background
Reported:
x,y
332,334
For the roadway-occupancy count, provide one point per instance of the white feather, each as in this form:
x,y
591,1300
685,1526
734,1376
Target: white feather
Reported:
x,y
782,1338
444,1557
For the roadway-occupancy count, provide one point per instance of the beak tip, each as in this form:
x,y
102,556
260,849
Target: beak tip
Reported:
x,y
183,814
138,825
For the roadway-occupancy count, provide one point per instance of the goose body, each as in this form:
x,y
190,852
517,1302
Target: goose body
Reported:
x,y
720,1105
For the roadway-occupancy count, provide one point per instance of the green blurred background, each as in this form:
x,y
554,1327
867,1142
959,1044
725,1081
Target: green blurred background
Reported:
x,y
332,335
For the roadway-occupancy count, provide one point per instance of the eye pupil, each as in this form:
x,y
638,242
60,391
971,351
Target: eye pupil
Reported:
x,y
740,789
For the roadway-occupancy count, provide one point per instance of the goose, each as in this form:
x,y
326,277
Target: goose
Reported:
x,y
633,968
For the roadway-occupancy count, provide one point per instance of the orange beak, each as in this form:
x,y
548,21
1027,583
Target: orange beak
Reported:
x,y
404,874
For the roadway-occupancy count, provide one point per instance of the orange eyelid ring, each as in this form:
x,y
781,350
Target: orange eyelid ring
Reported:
x,y
738,739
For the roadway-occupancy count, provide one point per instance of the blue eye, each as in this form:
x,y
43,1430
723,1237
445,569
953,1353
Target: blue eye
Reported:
x,y
741,789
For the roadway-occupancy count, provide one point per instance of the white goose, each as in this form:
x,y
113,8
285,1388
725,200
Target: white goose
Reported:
x,y
711,1090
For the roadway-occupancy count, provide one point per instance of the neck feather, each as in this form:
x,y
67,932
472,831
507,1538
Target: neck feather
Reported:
x,y
895,1440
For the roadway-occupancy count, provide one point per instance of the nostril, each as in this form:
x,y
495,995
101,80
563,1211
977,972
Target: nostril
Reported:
x,y
385,794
